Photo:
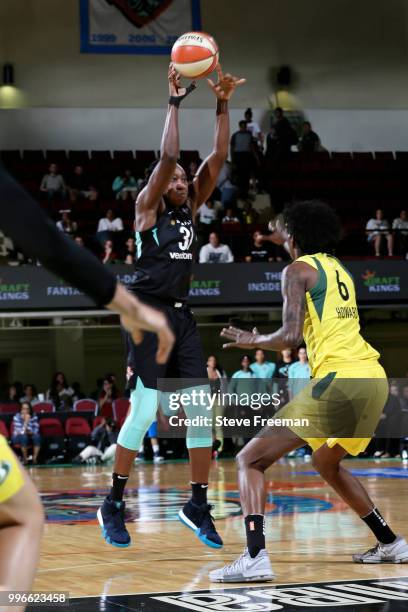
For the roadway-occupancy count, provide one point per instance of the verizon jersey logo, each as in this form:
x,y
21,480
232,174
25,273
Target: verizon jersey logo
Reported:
x,y
176,255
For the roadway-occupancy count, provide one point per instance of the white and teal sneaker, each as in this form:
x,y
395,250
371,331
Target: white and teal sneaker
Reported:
x,y
396,552
245,569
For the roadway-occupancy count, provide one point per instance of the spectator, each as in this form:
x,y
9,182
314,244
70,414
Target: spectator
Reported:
x,y
79,186
230,217
249,214
254,128
30,394
109,256
53,184
259,251
243,157
12,396
108,227
378,229
60,393
125,185
66,225
215,252
309,141
239,382
104,438
400,227
130,253
299,373
192,170
78,393
207,215
262,368
284,134
264,371
79,240
108,392
26,432
226,186
282,365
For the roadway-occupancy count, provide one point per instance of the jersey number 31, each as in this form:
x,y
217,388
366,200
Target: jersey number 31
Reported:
x,y
187,238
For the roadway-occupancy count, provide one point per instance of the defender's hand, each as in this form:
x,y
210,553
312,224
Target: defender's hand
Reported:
x,y
240,338
226,84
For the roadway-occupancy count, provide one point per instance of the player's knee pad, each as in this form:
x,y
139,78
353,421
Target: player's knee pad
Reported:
x,y
143,408
199,435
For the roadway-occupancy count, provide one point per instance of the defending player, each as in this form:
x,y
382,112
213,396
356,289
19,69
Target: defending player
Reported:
x,y
165,213
319,304
21,513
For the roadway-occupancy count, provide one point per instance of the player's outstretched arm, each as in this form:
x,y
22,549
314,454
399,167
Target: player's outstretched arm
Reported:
x,y
296,280
25,222
206,179
149,199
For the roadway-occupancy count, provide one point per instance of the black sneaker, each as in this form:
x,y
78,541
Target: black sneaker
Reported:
x,y
199,519
111,517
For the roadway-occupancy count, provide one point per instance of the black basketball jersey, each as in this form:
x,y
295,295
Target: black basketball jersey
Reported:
x,y
164,255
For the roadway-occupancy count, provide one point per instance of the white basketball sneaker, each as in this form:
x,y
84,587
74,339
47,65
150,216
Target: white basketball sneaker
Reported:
x,y
245,569
396,552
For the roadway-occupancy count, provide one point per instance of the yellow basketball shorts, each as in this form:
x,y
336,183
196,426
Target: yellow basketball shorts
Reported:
x,y
341,407
11,477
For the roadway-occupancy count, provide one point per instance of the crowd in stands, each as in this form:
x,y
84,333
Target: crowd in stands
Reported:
x,y
64,424
91,197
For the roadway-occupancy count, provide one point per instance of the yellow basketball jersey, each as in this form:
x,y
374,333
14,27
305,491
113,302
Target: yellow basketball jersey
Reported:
x,y
332,327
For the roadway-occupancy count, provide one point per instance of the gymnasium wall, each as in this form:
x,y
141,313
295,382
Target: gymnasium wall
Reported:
x,y
87,354
349,58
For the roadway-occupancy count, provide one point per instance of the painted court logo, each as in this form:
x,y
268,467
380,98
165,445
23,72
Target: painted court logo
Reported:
x,y
381,284
347,595
140,12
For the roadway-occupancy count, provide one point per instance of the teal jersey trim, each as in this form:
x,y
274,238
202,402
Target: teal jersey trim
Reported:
x,y
138,244
155,238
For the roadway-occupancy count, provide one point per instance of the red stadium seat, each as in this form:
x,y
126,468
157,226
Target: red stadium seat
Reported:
x,y
53,438
80,158
43,407
78,432
77,426
4,429
85,405
123,157
97,421
33,156
9,408
51,427
101,156
56,157
120,408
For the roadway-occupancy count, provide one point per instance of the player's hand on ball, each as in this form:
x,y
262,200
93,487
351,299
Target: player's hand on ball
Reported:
x,y
175,88
226,84
240,338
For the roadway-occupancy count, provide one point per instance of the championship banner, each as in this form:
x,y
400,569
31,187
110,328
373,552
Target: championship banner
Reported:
x,y
136,26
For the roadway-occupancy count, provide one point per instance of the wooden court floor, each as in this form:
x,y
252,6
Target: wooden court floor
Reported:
x,y
311,534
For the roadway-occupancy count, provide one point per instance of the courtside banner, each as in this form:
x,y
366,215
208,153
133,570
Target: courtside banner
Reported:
x,y
239,284
136,26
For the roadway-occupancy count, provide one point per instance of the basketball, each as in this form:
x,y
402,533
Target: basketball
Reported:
x,y
195,54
